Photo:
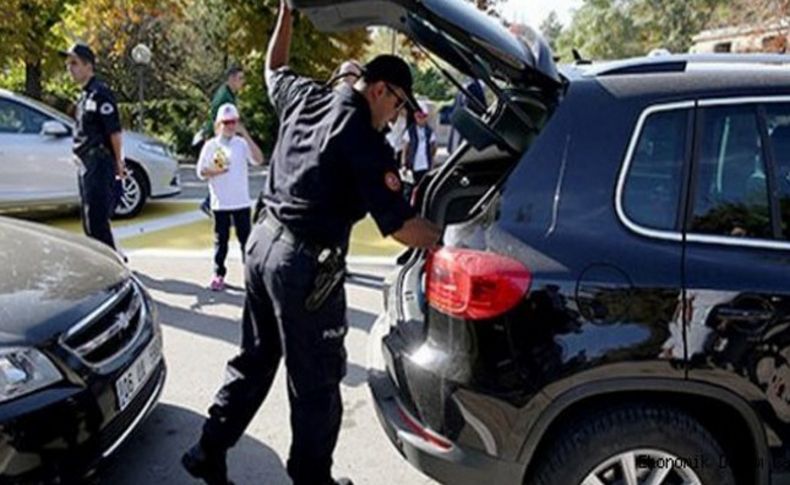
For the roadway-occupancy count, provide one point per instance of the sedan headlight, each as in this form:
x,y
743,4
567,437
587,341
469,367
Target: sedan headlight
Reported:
x,y
24,370
156,149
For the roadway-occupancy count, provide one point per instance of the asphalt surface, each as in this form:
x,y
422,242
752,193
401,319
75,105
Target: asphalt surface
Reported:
x,y
201,330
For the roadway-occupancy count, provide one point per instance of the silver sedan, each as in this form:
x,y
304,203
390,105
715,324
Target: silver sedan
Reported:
x,y
37,173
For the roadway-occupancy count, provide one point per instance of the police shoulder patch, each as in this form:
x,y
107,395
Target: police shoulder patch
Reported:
x,y
392,181
107,109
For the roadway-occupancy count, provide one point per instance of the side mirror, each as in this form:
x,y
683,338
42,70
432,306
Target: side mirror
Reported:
x,y
54,128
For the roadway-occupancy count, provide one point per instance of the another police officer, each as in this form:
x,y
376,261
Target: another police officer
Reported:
x,y
97,144
330,167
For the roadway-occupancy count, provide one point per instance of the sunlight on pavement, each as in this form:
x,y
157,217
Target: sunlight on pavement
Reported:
x,y
153,210
365,239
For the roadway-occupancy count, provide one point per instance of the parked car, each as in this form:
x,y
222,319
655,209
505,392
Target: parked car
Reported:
x,y
37,172
611,303
80,354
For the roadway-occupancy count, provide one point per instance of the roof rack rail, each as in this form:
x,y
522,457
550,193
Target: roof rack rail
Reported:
x,y
679,62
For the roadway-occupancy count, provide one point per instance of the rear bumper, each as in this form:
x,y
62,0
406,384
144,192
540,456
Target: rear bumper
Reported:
x,y
454,465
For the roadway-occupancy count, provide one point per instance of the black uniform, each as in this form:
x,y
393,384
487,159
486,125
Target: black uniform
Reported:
x,y
329,168
97,119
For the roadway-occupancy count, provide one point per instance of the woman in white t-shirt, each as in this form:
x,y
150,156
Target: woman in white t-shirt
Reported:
x,y
223,162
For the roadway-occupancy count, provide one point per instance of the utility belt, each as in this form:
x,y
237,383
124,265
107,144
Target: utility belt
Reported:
x,y
92,151
331,263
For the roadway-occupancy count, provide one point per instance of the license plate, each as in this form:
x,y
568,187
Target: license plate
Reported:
x,y
130,383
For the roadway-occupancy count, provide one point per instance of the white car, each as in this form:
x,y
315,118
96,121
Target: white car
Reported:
x,y
37,172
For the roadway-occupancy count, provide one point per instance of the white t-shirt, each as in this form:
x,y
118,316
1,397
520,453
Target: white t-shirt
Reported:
x,y
421,157
229,191
395,136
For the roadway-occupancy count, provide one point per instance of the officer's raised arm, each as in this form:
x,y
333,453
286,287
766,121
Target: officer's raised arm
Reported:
x,y
280,42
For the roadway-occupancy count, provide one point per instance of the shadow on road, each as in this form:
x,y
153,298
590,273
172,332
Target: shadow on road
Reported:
x,y
153,453
229,329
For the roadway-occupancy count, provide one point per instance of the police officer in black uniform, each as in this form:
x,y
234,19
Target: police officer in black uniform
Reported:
x,y
97,145
330,167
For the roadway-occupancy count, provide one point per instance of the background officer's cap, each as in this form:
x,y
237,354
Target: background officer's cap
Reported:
x,y
393,70
82,51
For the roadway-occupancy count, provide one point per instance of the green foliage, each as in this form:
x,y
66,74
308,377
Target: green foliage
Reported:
x,y
612,29
429,82
601,29
551,29
256,110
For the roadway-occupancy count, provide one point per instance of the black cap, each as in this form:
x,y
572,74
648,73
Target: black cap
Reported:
x,y
82,51
393,70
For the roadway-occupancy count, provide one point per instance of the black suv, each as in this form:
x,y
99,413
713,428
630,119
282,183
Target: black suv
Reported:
x,y
611,303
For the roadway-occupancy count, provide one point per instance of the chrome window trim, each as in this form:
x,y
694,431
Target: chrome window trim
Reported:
x,y
626,166
691,237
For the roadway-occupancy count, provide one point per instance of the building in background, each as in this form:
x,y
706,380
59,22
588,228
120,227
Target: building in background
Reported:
x,y
771,37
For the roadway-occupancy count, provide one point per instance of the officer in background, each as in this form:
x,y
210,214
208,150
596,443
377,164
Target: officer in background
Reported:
x,y
331,166
97,145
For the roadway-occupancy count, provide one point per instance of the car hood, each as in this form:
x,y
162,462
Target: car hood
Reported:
x,y
50,280
452,29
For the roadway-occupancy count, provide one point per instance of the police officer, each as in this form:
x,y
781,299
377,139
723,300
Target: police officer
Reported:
x,y
330,167
97,144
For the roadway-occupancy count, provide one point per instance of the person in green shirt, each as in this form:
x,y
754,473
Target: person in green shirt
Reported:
x,y
225,94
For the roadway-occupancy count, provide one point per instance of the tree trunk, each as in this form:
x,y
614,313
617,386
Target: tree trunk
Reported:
x,y
33,79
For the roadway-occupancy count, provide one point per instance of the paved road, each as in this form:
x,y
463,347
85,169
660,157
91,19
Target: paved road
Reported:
x,y
194,188
201,330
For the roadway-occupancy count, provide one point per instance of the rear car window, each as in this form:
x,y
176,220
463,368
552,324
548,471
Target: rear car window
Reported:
x,y
778,125
651,194
730,185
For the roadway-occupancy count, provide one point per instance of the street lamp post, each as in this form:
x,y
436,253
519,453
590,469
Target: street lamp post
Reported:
x,y
141,55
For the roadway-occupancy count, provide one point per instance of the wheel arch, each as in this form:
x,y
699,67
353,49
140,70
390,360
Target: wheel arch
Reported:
x,y
708,404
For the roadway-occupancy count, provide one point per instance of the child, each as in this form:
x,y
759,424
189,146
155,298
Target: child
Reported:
x,y
223,162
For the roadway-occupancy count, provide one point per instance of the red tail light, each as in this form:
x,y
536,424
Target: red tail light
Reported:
x,y
474,285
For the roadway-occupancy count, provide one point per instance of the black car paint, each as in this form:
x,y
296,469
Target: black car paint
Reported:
x,y
51,281
595,326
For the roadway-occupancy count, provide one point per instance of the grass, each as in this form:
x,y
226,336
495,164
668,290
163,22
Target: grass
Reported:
x,y
153,210
365,239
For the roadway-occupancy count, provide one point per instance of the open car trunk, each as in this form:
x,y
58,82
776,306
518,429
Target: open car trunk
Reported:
x,y
521,75
460,191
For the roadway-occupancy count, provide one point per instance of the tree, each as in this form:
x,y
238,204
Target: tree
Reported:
x,y
112,29
551,28
601,29
610,29
26,27
429,82
671,24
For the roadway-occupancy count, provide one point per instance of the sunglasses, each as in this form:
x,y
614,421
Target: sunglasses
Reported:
x,y
229,122
401,101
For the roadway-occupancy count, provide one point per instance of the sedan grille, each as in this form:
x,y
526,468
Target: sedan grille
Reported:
x,y
110,330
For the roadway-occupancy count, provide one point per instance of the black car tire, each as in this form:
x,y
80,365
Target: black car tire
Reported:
x,y
585,445
135,193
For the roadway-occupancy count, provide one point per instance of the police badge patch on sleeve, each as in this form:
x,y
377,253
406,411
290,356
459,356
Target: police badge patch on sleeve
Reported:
x,y
392,181
107,109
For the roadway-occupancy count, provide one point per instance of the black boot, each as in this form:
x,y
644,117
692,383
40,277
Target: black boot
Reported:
x,y
211,468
